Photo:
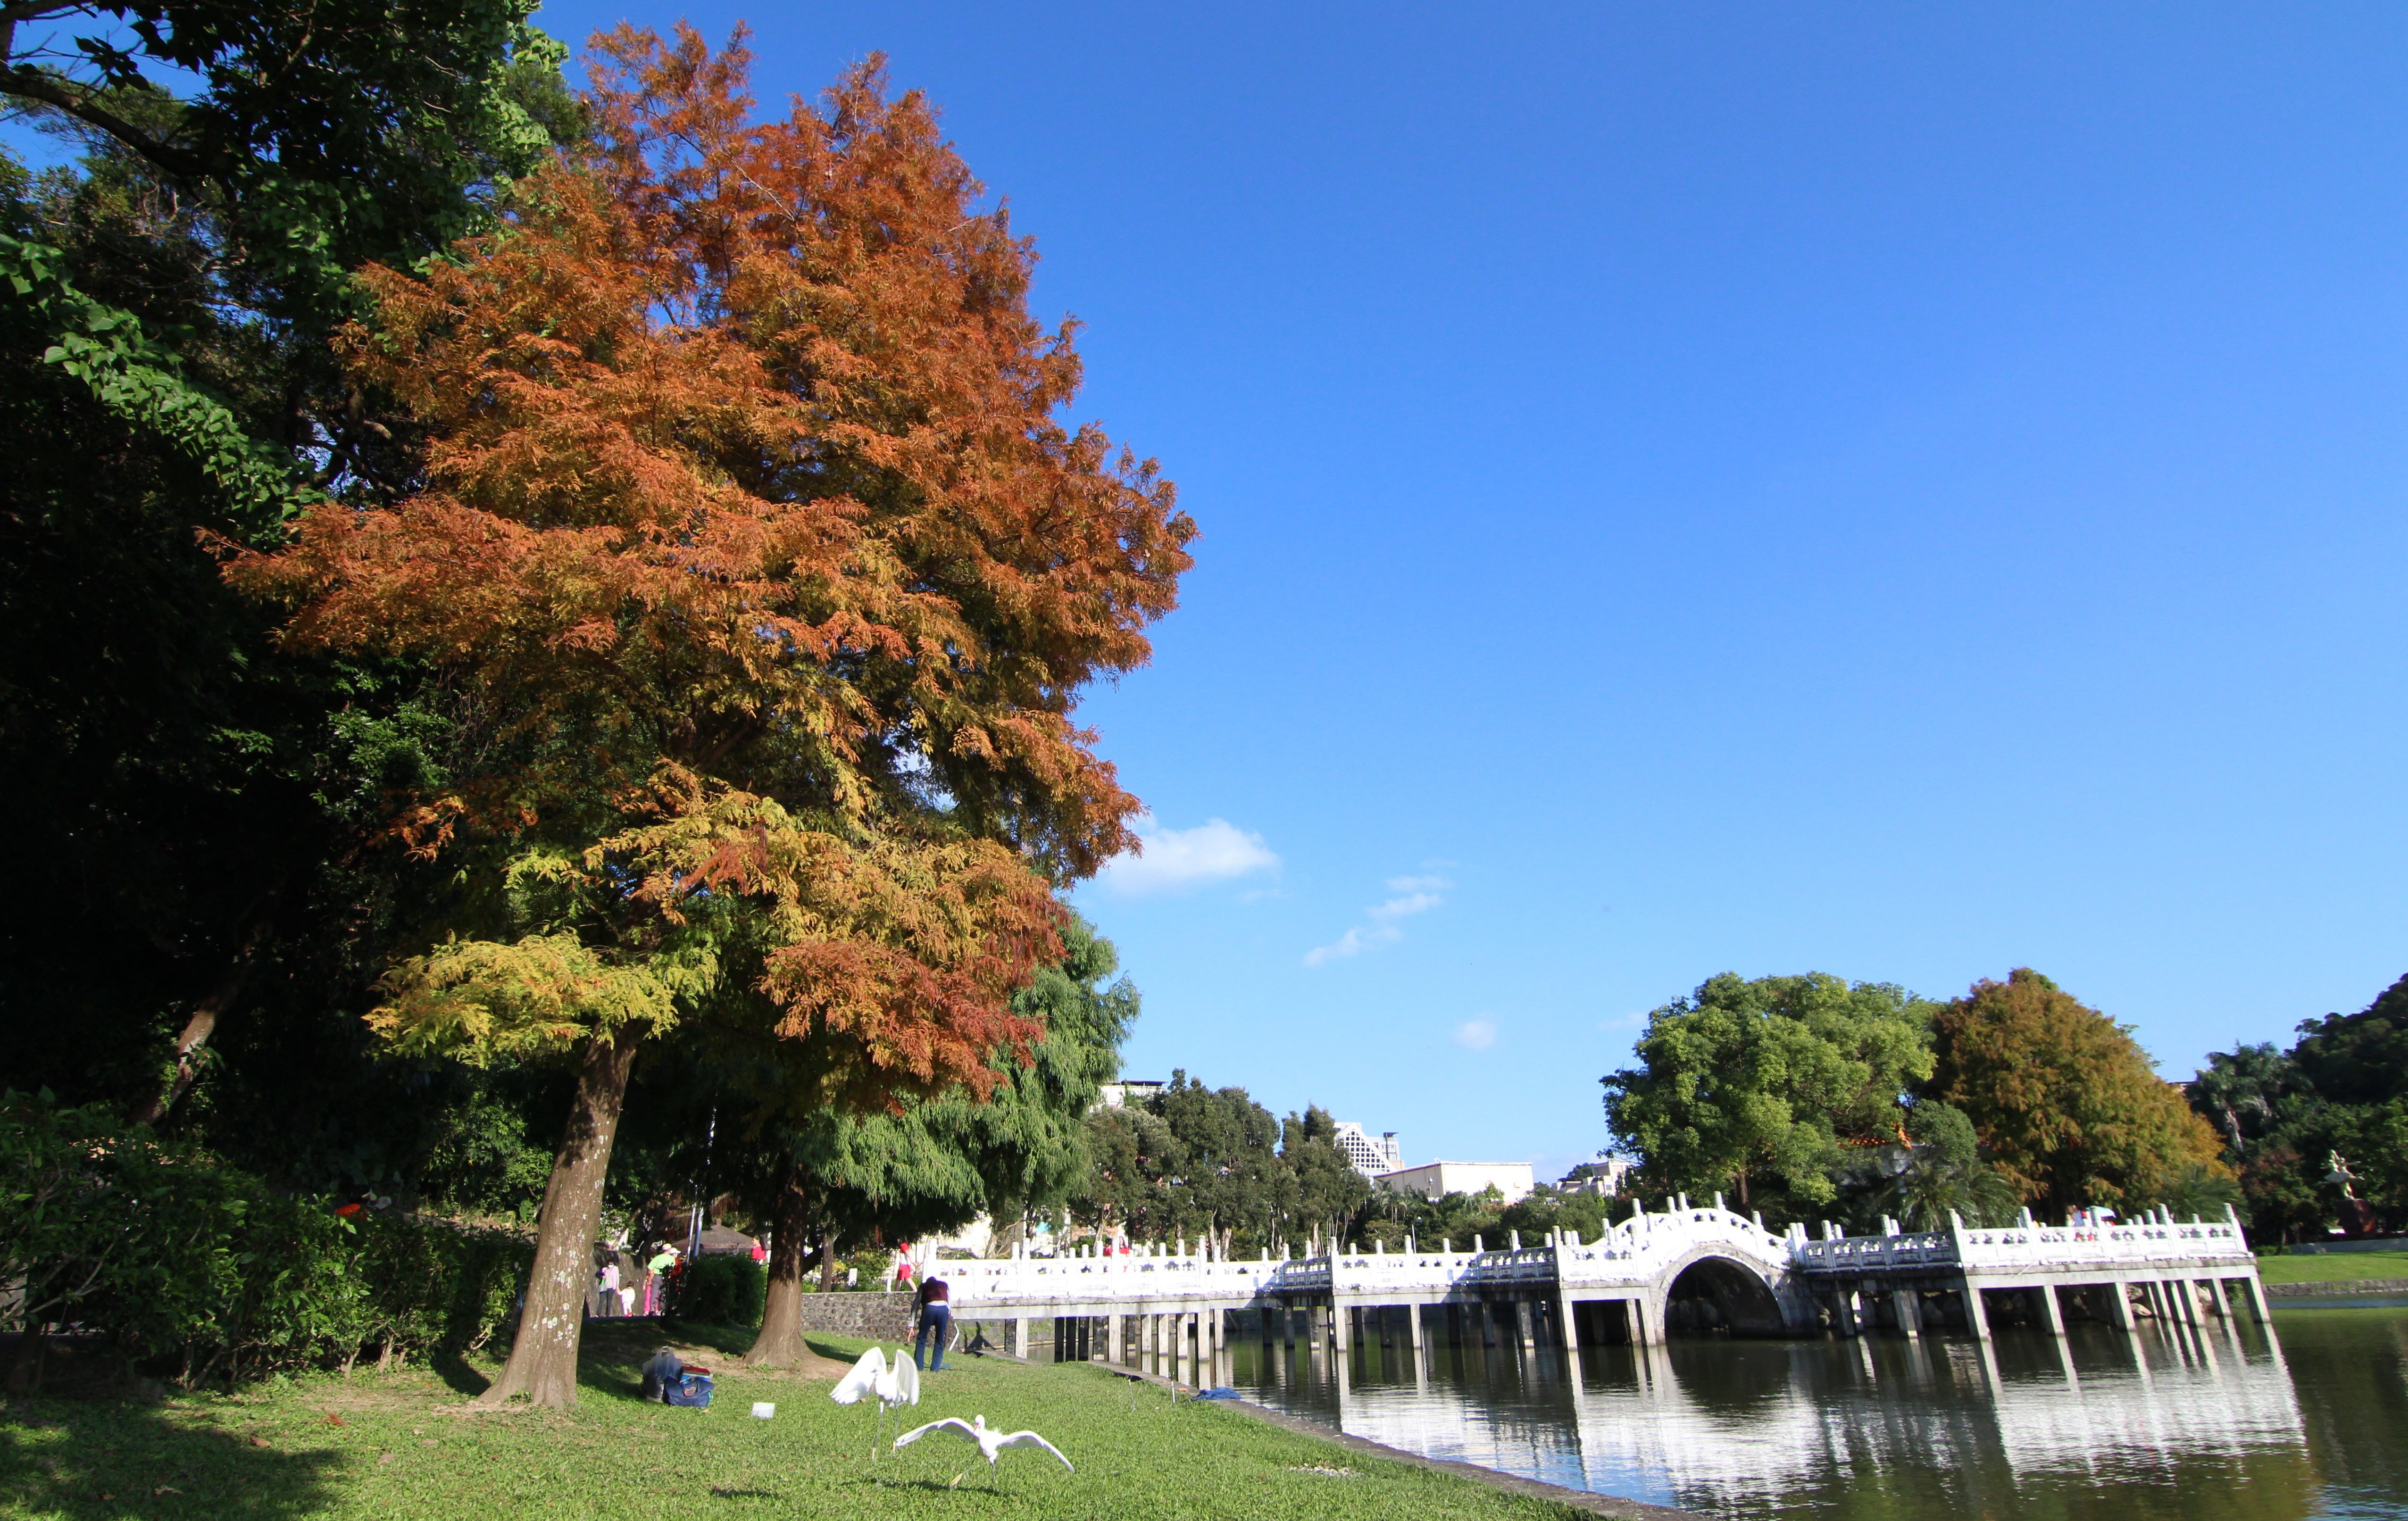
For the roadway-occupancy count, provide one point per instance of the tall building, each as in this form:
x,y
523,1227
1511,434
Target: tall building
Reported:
x,y
1370,1157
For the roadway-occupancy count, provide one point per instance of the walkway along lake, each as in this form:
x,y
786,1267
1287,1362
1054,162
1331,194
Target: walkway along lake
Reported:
x,y
2312,1421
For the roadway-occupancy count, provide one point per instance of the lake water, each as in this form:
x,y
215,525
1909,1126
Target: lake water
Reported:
x,y
2312,1421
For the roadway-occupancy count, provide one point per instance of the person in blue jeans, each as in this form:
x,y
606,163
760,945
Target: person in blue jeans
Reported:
x,y
937,1315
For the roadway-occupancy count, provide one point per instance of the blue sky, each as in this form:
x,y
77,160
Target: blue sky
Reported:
x,y
1906,492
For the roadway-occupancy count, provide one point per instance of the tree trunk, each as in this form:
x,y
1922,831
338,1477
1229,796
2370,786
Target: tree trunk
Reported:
x,y
25,1369
780,1342
543,1356
203,1024
827,1262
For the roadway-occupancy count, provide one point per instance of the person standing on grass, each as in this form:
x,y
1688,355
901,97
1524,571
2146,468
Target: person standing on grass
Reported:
x,y
935,1314
610,1276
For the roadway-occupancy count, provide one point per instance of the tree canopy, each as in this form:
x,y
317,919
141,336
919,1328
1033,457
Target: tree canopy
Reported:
x,y
2063,1098
1756,1088
2283,1115
748,533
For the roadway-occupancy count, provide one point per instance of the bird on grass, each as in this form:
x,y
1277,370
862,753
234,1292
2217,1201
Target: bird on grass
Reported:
x,y
992,1444
895,1386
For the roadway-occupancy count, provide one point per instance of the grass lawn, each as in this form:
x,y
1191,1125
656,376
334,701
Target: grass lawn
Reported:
x,y
2326,1266
398,1446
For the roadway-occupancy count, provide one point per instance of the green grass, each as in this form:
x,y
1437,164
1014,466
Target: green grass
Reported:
x,y
2328,1267
398,1445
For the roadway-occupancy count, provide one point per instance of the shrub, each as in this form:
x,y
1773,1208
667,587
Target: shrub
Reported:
x,y
720,1290
171,1254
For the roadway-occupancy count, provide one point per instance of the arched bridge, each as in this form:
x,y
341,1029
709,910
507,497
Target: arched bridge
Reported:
x,y
1688,1268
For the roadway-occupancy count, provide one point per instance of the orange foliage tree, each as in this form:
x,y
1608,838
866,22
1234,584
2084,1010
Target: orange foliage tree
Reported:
x,y
766,580
2063,1098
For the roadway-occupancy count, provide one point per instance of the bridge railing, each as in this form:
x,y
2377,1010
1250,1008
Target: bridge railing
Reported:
x,y
2028,1244
1875,1253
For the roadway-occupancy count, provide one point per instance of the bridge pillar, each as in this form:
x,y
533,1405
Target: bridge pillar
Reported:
x,y
2119,1304
1977,1316
2052,1315
2255,1293
1020,1337
1522,1322
1339,1315
1906,1305
1113,1339
2215,1303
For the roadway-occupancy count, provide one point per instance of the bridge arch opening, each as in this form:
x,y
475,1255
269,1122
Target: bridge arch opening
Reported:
x,y
1717,1296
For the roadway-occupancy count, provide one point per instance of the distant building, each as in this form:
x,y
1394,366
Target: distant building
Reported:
x,y
1370,1157
1603,1176
1439,1179
1133,1091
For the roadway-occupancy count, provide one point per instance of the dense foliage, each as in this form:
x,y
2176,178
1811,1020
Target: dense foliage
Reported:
x,y
2063,1098
1196,1163
749,720
1808,1097
170,1254
725,1289
1756,1088
2284,1118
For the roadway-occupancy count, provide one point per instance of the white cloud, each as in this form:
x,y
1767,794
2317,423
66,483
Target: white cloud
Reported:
x,y
1399,908
1414,895
1354,942
1214,850
1476,1034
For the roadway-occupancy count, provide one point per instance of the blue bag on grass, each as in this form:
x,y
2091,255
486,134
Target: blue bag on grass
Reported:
x,y
692,1389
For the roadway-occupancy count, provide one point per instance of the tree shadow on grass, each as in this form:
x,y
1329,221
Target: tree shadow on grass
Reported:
x,y
458,1375
113,1458
611,1352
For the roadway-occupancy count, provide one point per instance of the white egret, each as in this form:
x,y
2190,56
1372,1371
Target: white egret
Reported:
x,y
895,1385
992,1444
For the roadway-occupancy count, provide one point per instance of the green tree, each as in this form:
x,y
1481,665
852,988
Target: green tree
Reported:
x,y
206,797
2063,1098
1328,1190
839,1179
1751,1088
1943,1173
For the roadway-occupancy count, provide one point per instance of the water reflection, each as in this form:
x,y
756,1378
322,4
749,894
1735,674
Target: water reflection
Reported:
x,y
2227,1423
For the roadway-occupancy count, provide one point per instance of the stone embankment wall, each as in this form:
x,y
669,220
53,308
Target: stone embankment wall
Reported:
x,y
2380,1290
882,1317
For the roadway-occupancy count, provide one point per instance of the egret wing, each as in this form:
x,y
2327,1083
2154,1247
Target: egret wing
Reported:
x,y
1031,1438
951,1423
907,1381
861,1380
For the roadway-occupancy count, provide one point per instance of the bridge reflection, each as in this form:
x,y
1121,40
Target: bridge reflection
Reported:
x,y
2203,1422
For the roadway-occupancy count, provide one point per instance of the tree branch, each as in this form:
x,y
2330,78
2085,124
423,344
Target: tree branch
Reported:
x,y
31,83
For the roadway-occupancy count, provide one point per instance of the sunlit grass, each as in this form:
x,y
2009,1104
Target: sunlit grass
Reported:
x,y
397,1445
2328,1267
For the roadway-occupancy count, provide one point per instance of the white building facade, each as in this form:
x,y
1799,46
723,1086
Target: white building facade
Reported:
x,y
1436,1179
1372,1156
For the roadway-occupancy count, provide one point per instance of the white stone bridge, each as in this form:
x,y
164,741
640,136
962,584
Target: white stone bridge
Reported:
x,y
1689,1268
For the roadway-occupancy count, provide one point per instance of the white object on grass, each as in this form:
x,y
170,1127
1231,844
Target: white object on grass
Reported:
x,y
895,1385
763,1410
991,1443
861,1380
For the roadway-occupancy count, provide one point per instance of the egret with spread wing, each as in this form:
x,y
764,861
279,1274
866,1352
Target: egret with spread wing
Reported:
x,y
990,1443
895,1384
